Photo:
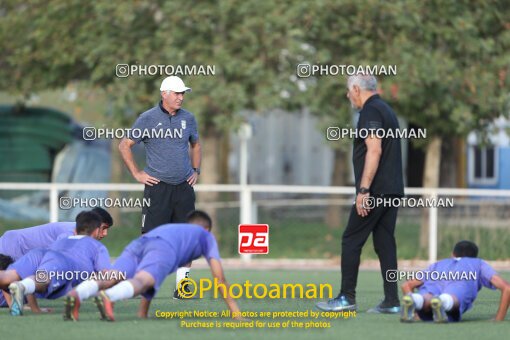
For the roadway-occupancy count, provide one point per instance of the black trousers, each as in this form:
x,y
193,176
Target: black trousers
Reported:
x,y
168,204
381,223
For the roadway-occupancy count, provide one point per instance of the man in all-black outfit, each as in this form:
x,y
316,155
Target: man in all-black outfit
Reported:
x,y
377,162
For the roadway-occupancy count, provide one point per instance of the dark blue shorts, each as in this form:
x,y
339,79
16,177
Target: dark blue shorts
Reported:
x,y
26,265
59,286
435,290
151,255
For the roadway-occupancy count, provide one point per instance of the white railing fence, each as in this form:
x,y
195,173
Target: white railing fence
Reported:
x,y
248,208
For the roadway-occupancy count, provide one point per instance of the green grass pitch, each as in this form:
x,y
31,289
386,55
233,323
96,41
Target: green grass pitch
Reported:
x,y
476,324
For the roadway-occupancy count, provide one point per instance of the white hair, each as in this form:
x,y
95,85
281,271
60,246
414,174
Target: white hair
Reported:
x,y
365,82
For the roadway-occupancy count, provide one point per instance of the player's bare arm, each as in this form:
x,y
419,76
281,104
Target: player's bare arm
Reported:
x,y
196,159
34,306
374,151
7,298
409,286
127,155
217,273
500,283
143,308
141,283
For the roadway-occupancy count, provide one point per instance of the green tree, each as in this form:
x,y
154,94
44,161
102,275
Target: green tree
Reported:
x,y
453,69
46,45
339,33
456,68
453,66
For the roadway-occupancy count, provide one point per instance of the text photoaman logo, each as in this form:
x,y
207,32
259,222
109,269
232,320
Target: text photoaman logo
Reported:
x,y
42,276
309,70
407,202
189,288
92,133
394,275
66,203
126,70
334,133
253,239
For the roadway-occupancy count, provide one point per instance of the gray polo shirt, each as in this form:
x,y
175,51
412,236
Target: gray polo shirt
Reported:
x,y
166,139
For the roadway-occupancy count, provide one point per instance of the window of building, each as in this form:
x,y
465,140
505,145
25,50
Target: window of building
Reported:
x,y
483,165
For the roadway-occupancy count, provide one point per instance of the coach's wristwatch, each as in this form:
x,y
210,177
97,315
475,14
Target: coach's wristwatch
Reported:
x,y
364,191
197,170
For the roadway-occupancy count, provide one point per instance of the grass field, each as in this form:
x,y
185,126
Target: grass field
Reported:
x,y
364,326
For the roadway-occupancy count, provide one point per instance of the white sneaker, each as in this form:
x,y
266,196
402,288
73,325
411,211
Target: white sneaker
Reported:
x,y
17,291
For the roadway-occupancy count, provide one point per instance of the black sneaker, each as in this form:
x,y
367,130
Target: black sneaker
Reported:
x,y
338,304
385,308
185,289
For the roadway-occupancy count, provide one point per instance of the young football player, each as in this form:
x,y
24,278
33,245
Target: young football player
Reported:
x,y
147,260
16,243
460,279
77,254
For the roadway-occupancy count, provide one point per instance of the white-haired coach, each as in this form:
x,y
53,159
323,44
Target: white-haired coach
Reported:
x,y
170,136
377,162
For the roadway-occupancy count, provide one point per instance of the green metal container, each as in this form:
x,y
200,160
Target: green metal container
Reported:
x,y
30,138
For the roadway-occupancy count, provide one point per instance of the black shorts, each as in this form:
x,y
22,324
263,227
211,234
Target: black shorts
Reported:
x,y
168,204
453,315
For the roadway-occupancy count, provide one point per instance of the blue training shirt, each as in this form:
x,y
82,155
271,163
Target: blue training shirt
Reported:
x,y
189,241
16,243
86,253
471,274
167,158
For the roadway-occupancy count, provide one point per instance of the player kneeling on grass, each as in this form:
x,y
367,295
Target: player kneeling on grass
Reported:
x,y
79,255
16,243
447,298
147,260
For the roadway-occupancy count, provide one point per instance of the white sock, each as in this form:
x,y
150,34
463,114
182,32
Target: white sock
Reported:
x,y
182,273
87,289
418,301
29,285
447,301
121,291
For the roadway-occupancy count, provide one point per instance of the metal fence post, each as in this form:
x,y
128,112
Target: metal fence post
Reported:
x,y
433,230
245,134
53,203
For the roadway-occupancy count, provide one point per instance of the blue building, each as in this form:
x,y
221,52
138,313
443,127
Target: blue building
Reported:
x,y
488,164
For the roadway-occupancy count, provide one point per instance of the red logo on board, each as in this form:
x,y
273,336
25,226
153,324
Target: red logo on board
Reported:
x,y
253,239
